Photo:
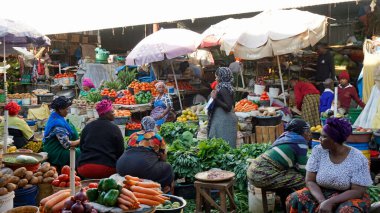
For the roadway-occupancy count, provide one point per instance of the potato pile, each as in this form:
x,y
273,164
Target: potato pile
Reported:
x,y
41,91
19,95
267,112
46,173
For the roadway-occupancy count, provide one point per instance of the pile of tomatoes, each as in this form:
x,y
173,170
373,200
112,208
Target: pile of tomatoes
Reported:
x,y
63,180
264,96
143,86
64,75
107,92
133,126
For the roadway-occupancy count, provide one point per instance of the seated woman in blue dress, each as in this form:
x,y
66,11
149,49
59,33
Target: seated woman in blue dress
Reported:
x,y
162,105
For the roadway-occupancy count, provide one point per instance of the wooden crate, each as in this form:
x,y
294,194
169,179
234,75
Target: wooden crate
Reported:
x,y
268,134
249,139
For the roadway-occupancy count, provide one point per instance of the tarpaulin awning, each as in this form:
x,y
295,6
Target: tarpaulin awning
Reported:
x,y
54,17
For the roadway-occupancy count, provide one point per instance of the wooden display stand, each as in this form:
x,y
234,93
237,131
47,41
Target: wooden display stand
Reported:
x,y
204,198
268,134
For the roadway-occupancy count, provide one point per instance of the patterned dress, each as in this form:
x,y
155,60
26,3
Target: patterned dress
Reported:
x,y
333,180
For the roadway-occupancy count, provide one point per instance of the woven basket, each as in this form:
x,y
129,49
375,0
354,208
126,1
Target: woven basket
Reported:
x,y
24,209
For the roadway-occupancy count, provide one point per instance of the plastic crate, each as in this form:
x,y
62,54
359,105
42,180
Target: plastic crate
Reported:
x,y
354,114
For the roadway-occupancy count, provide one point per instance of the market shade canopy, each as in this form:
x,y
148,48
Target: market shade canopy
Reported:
x,y
278,32
164,44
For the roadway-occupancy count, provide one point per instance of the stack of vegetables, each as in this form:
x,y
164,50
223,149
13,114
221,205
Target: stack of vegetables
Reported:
x,y
133,126
245,105
143,97
143,86
136,191
126,99
46,173
264,96
122,113
63,180
106,194
109,93
61,201
188,115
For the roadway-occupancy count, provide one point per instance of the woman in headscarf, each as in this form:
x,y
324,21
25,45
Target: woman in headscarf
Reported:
x,y
162,105
145,156
337,175
60,135
87,86
222,119
282,167
19,129
101,144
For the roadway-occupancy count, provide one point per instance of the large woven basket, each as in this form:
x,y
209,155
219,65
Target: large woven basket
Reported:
x,y
24,209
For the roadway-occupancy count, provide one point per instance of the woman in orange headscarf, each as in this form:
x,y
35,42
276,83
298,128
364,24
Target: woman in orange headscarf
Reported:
x,y
17,127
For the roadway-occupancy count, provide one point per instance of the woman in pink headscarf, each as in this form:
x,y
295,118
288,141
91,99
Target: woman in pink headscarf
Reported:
x,y
87,86
101,144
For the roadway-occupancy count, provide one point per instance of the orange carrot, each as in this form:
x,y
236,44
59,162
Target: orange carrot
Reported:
x,y
59,206
150,197
50,204
128,177
123,207
120,200
148,202
46,199
127,198
163,197
144,190
144,184
129,194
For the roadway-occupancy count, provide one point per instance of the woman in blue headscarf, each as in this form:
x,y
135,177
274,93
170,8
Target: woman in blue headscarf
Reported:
x,y
59,134
222,118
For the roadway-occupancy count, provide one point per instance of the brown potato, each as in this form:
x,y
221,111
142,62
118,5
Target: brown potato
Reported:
x,y
14,179
28,175
27,186
48,174
38,174
34,180
45,167
40,178
3,191
55,176
11,187
22,183
20,172
48,180
4,180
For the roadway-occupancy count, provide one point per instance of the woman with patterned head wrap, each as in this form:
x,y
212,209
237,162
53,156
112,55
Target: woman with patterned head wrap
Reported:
x,y
60,135
101,144
17,127
337,175
222,119
282,167
162,105
87,86
145,156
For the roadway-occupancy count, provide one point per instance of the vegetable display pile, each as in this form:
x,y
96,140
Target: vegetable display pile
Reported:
x,y
172,131
63,180
245,105
106,193
374,193
126,77
143,97
126,99
122,113
264,96
94,96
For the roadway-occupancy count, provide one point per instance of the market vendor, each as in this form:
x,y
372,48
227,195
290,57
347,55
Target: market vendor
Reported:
x,y
307,100
145,156
60,135
337,175
325,66
347,92
87,86
17,127
282,167
222,119
101,144
162,105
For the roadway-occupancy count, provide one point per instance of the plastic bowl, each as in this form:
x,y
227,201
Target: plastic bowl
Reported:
x,y
174,199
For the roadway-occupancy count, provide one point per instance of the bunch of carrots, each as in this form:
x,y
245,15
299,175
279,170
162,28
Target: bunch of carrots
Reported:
x,y
55,202
136,192
245,106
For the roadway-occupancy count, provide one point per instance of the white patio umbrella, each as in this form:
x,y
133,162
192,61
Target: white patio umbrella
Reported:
x,y
164,44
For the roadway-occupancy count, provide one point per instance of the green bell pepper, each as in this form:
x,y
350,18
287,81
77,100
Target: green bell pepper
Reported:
x,y
109,184
111,197
101,198
101,185
92,194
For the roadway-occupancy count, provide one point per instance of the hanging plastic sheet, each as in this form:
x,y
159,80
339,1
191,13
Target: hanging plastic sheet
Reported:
x,y
371,61
370,116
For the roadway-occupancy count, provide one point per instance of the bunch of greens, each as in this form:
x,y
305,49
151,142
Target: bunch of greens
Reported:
x,y
112,85
172,131
126,77
212,152
94,96
374,193
186,165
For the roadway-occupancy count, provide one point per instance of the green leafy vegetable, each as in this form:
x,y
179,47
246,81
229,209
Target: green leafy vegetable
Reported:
x,y
94,96
172,131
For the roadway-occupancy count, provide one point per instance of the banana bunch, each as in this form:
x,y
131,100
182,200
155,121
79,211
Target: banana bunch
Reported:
x,y
34,146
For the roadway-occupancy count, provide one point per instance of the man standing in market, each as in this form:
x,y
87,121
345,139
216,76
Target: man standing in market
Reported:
x,y
307,100
325,66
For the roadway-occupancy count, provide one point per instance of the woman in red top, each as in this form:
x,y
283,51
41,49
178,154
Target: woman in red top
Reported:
x,y
307,100
347,92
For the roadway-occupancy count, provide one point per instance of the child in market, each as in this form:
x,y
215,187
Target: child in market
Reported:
x,y
347,92
327,96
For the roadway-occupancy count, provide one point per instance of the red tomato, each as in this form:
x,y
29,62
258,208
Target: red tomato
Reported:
x,y
77,178
93,185
65,170
63,178
68,184
77,183
62,184
55,183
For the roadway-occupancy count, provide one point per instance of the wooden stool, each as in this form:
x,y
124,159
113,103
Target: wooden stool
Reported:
x,y
264,199
203,190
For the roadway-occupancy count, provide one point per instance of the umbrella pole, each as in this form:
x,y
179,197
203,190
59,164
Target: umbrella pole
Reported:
x,y
335,101
282,81
176,85
72,171
5,141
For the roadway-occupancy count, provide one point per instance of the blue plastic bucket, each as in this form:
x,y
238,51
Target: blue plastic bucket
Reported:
x,y
31,122
359,146
26,197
